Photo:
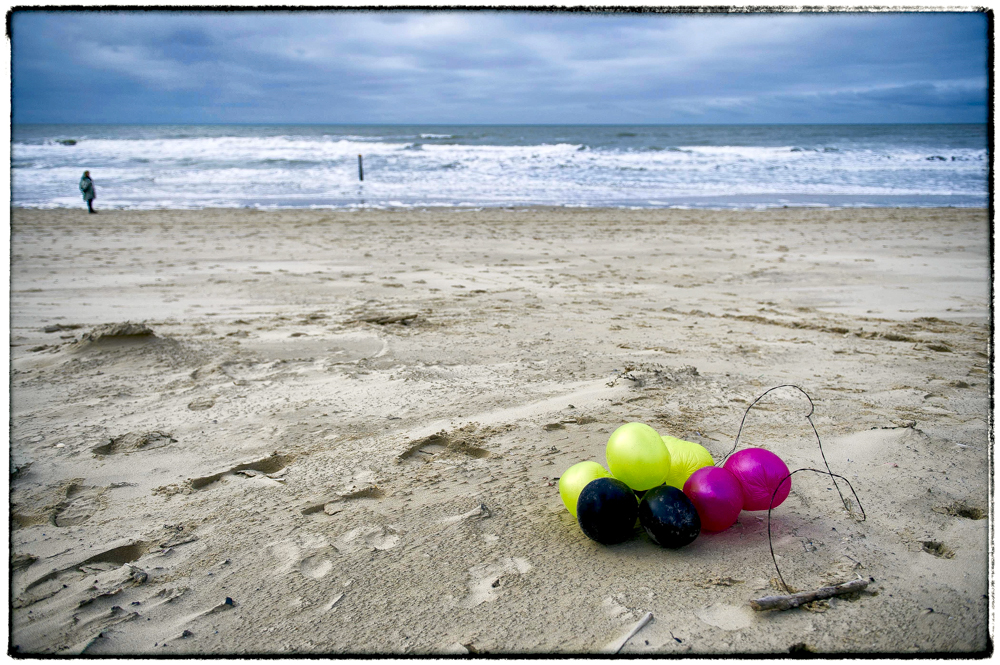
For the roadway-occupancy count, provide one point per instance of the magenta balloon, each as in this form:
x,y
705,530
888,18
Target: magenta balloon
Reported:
x,y
759,472
716,495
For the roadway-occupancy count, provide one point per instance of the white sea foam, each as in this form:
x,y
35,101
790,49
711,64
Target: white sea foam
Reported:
x,y
321,170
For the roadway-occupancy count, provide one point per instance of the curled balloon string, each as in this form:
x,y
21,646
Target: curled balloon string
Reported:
x,y
770,544
808,416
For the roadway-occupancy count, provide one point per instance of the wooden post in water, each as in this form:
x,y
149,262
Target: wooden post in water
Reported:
x,y
361,171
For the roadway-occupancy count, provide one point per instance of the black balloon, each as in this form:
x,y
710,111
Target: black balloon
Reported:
x,y
606,511
669,517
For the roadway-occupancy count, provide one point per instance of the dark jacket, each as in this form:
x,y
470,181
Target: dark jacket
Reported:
x,y
87,187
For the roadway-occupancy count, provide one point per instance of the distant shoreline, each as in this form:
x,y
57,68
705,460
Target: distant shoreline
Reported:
x,y
461,124
525,207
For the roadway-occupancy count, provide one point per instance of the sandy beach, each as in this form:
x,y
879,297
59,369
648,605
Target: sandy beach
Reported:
x,y
334,432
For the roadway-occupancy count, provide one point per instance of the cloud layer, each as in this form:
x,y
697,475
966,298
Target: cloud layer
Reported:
x,y
497,67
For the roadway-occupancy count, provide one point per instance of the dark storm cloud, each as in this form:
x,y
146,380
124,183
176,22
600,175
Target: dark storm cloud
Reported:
x,y
489,67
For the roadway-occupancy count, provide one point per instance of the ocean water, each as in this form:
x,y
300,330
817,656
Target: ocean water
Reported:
x,y
283,166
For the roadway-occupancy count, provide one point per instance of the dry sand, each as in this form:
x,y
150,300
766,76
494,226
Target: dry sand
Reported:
x,y
339,432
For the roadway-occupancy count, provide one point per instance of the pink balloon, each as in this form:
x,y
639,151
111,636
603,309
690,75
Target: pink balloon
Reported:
x,y
716,495
759,472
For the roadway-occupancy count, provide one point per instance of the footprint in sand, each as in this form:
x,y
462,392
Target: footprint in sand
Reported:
x,y
307,555
489,579
202,403
134,441
613,609
67,504
463,441
359,485
269,466
940,550
368,538
56,580
82,503
315,567
726,617
962,509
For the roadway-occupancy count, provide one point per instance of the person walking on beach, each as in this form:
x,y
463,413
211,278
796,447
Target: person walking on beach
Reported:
x,y
87,187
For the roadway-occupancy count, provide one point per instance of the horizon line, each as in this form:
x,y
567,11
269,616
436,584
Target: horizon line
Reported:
x,y
512,124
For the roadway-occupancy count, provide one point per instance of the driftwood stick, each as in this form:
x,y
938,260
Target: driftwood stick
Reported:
x,y
796,599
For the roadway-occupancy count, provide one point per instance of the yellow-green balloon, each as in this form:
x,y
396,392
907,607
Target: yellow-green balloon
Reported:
x,y
637,456
686,457
575,478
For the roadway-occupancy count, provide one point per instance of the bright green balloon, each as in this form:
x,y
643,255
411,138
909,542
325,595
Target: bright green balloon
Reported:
x,y
686,457
575,478
637,456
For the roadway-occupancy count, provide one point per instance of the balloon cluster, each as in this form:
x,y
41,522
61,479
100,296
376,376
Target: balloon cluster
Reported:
x,y
670,485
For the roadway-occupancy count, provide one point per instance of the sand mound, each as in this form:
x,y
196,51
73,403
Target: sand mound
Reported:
x,y
117,331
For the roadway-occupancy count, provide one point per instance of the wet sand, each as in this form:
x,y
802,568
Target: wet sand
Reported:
x,y
340,432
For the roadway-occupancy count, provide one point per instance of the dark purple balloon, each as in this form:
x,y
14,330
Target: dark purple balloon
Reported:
x,y
717,496
669,517
760,472
607,510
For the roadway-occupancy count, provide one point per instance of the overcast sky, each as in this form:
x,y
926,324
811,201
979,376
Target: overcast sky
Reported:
x,y
497,67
